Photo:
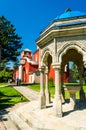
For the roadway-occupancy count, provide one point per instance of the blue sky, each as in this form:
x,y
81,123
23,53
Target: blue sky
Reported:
x,y
31,16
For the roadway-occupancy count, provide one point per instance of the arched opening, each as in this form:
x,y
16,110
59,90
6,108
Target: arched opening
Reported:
x,y
48,76
72,57
73,73
74,61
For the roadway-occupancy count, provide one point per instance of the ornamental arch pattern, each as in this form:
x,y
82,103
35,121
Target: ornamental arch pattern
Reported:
x,y
67,47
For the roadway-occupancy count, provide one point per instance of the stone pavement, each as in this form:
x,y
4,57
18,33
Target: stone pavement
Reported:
x,y
27,92
44,119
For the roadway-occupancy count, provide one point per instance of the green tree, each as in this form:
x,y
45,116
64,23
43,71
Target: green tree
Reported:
x,y
16,64
5,74
84,75
9,41
11,44
75,72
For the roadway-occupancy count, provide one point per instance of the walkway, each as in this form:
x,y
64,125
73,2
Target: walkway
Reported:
x,y
27,92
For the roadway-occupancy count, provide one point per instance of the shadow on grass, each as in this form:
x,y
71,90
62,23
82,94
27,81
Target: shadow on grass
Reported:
x,y
10,100
4,104
1,94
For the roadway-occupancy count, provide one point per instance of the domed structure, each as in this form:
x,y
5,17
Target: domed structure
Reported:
x,y
70,14
62,41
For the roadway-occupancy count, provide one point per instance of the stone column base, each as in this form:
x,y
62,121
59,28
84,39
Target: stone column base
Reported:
x,y
42,101
62,98
47,97
72,101
57,107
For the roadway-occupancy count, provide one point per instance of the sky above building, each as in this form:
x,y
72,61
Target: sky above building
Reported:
x,y
30,17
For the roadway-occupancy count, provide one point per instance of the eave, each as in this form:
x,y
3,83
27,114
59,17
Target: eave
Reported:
x,y
61,31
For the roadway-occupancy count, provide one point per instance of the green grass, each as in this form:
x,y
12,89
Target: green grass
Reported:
x,y
36,87
9,97
3,84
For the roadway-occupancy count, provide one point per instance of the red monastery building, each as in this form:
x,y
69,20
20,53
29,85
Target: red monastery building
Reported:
x,y
28,71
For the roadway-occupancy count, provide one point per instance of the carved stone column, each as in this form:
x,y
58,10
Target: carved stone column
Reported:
x,y
57,100
47,93
42,97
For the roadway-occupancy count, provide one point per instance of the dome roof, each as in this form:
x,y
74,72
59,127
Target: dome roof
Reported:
x,y
70,14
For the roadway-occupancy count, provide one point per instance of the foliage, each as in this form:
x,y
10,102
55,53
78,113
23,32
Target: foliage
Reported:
x,y
10,41
75,72
5,75
16,65
84,75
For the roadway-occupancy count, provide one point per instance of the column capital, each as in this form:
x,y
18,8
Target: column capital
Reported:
x,y
56,65
46,71
41,69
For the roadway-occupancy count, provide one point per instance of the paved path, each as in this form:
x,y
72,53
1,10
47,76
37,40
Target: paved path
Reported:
x,y
27,92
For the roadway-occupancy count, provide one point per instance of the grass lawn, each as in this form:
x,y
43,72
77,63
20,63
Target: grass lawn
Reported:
x,y
3,84
9,97
36,87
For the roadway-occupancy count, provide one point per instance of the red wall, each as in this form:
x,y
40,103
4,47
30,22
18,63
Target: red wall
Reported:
x,y
36,56
25,75
52,73
26,69
16,75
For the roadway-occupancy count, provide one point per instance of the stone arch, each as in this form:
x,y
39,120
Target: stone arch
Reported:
x,y
74,56
74,53
67,47
46,60
46,57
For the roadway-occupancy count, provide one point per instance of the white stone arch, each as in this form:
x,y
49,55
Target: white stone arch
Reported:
x,y
43,55
67,47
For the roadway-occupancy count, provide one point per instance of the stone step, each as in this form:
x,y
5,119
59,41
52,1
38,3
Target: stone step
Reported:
x,y
19,123
9,124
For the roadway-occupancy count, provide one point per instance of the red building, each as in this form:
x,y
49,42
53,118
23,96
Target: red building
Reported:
x,y
28,71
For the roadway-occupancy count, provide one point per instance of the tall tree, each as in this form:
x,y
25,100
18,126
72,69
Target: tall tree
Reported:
x,y
9,41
